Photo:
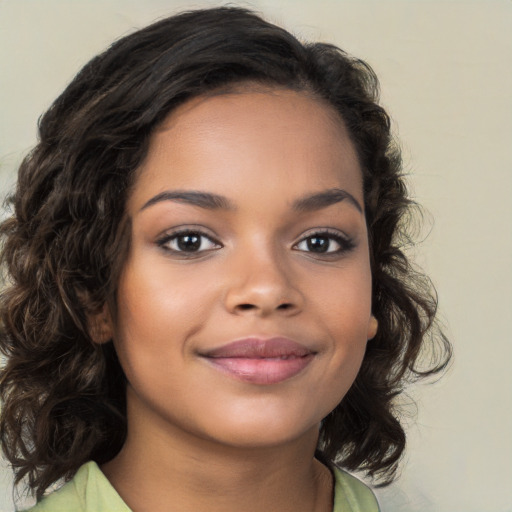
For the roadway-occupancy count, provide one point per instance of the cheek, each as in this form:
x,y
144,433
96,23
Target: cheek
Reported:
x,y
153,297
343,308
344,300
159,310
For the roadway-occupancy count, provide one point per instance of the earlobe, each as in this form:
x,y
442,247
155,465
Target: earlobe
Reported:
x,y
100,326
373,326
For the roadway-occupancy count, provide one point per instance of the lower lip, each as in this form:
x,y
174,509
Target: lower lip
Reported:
x,y
262,371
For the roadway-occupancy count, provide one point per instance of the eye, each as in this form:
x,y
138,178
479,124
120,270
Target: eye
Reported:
x,y
188,242
325,243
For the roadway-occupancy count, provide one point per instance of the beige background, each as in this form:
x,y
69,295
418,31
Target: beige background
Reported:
x,y
447,81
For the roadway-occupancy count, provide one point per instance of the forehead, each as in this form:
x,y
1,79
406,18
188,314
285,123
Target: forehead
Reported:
x,y
258,138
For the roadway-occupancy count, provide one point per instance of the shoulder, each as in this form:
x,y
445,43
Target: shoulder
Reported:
x,y
352,495
88,491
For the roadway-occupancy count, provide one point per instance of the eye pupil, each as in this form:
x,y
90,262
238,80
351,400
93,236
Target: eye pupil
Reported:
x,y
191,242
318,244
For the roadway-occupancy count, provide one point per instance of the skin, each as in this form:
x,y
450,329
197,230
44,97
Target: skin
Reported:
x,y
198,438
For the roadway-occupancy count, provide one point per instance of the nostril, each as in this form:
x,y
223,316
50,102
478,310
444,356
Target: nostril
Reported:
x,y
245,307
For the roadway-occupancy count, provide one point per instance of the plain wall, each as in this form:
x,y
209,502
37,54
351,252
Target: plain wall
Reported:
x,y
446,80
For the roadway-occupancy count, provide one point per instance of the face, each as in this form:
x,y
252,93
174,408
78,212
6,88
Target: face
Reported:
x,y
244,306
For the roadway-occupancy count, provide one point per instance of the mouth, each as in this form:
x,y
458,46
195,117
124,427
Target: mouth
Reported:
x,y
261,361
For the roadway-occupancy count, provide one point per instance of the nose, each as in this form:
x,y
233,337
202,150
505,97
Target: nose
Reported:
x,y
261,284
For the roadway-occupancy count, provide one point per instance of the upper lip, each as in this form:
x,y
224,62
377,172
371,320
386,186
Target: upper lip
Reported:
x,y
259,348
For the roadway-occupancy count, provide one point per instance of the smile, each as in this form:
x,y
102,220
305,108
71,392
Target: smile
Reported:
x,y
260,361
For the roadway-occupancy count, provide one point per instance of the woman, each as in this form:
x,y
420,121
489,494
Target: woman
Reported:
x,y
208,303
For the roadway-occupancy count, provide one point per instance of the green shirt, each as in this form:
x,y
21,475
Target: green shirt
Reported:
x,y
90,491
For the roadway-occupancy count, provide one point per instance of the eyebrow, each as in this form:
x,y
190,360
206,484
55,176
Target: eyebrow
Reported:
x,y
211,201
324,199
202,199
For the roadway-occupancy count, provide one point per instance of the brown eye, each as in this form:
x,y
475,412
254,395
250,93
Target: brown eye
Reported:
x,y
188,242
318,243
325,243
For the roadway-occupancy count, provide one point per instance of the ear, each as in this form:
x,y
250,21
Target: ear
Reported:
x,y
373,326
101,326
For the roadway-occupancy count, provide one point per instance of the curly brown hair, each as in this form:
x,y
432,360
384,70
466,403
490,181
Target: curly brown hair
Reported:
x,y
64,245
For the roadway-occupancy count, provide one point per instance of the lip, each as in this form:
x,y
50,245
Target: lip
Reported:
x,y
261,361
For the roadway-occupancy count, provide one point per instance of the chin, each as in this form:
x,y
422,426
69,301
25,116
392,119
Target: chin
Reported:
x,y
249,429
269,436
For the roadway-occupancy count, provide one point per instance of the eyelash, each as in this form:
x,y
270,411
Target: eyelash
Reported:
x,y
345,243
165,241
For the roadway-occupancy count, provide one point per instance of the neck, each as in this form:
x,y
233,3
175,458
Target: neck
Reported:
x,y
164,468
